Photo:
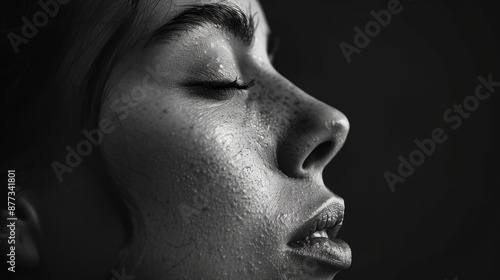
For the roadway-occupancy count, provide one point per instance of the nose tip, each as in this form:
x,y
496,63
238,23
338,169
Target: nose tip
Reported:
x,y
316,140
335,136
329,142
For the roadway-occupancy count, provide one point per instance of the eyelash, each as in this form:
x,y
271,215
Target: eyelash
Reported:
x,y
224,89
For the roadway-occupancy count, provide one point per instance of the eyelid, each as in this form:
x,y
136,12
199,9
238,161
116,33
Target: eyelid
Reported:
x,y
236,84
224,89
217,83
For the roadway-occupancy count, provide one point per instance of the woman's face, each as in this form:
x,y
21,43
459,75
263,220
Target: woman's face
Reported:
x,y
226,173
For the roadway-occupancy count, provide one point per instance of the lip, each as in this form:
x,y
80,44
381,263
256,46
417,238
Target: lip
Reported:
x,y
330,252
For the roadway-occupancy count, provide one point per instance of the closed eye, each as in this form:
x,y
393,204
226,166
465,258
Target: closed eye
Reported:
x,y
236,84
223,89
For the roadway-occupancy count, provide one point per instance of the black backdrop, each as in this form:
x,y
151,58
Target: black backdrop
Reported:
x,y
443,221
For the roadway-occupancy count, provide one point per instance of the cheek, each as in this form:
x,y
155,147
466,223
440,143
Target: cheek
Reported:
x,y
203,178
200,171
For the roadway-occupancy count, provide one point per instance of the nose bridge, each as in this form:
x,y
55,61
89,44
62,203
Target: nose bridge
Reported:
x,y
310,132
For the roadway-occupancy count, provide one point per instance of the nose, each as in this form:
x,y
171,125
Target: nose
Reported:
x,y
314,135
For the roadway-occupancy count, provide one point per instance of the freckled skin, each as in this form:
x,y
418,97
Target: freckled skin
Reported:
x,y
221,184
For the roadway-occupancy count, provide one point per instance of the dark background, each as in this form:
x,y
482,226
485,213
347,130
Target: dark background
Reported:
x,y
443,221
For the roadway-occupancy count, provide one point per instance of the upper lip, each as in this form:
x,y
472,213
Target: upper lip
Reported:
x,y
328,217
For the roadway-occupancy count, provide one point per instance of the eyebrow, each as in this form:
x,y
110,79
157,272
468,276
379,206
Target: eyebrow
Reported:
x,y
229,17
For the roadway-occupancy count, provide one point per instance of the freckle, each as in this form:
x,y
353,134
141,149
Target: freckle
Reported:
x,y
165,111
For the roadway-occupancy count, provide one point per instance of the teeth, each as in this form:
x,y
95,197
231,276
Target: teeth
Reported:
x,y
308,241
315,235
318,234
322,223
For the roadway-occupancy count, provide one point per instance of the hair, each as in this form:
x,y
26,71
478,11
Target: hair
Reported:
x,y
48,97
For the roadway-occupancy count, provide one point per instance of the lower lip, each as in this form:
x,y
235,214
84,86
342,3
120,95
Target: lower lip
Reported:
x,y
334,253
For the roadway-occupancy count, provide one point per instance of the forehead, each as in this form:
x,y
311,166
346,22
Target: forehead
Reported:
x,y
105,17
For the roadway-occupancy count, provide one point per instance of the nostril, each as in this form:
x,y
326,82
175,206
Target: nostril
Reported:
x,y
319,154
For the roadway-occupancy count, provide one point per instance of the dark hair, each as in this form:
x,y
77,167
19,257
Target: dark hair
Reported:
x,y
43,109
